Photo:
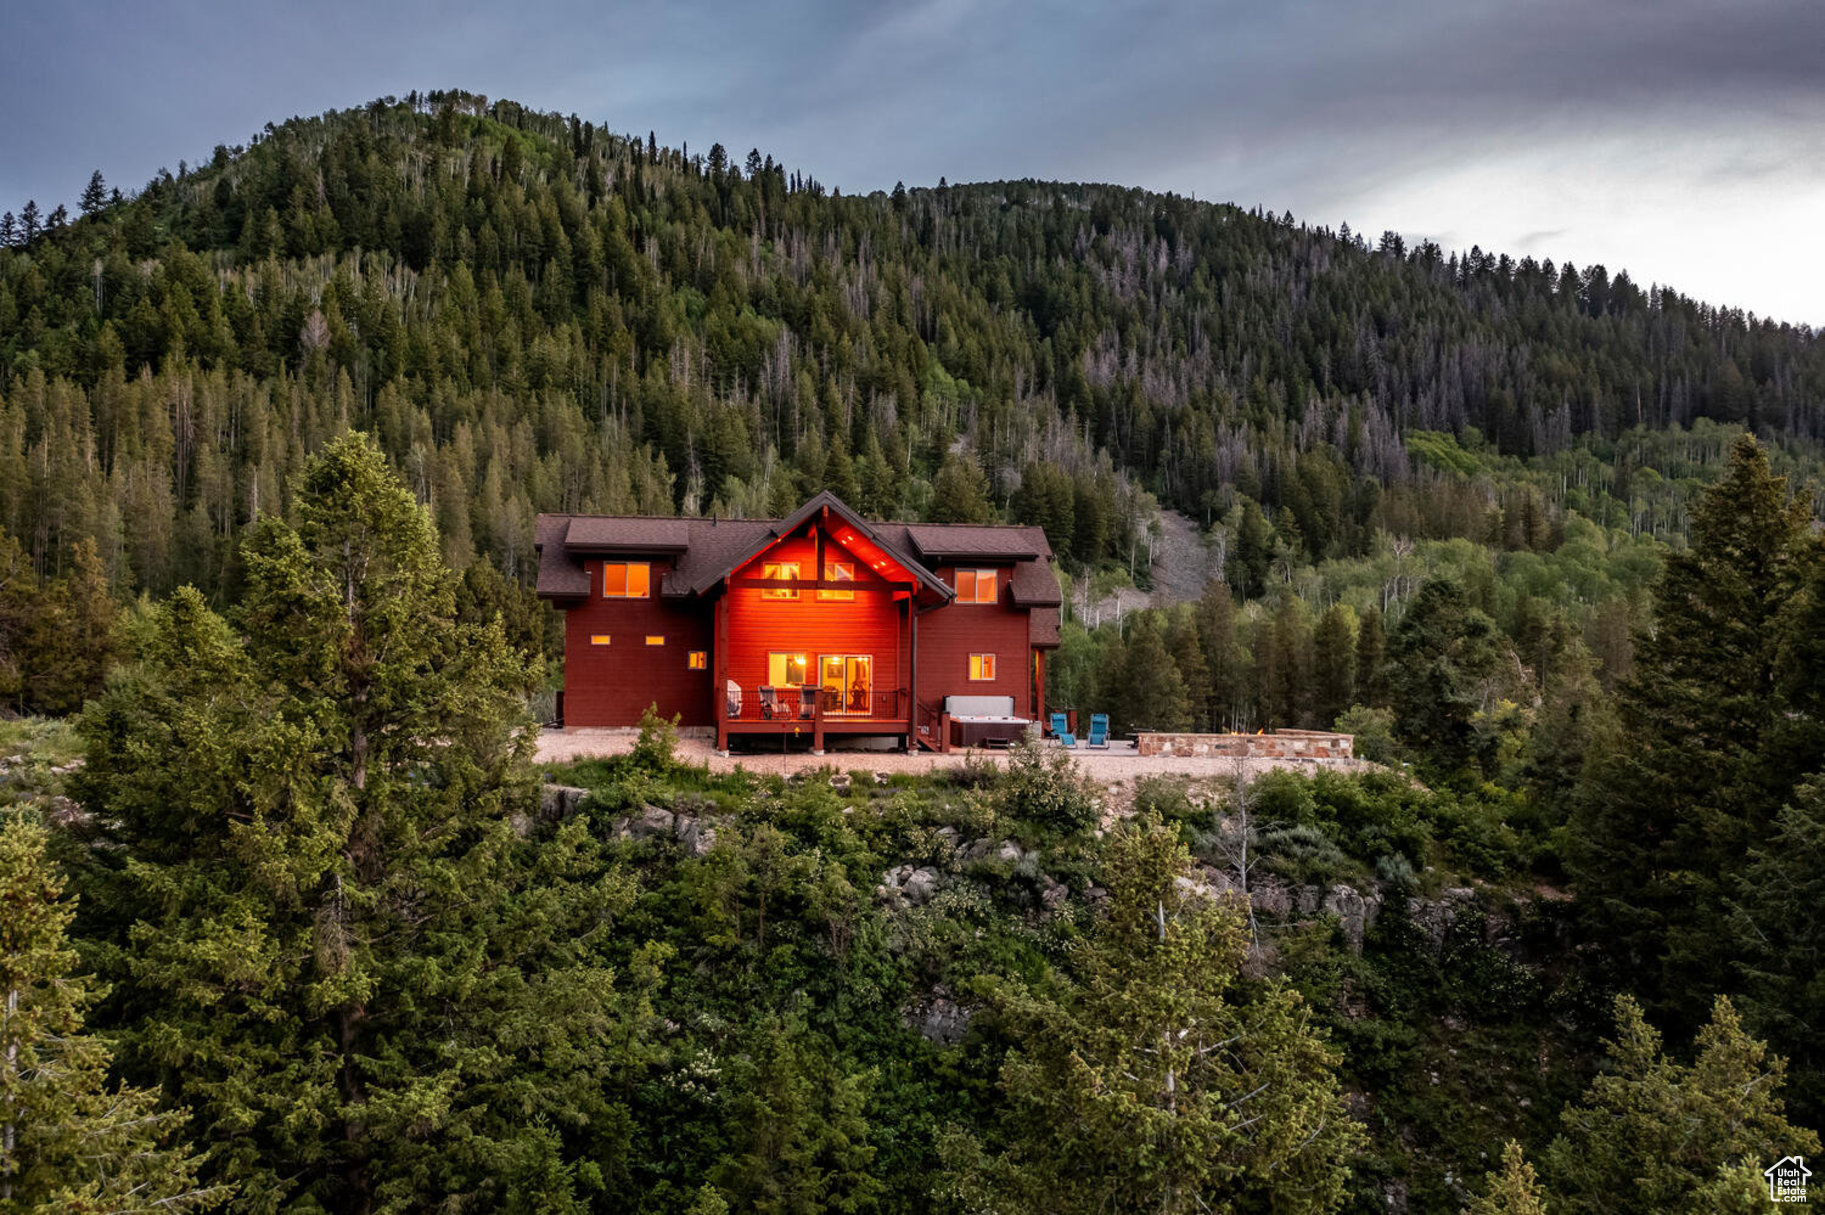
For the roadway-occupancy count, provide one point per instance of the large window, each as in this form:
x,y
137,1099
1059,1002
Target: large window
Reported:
x,y
779,570
626,579
837,571
976,586
787,669
982,666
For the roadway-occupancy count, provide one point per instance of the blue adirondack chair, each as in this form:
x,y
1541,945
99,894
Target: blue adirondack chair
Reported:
x,y
1099,730
1061,732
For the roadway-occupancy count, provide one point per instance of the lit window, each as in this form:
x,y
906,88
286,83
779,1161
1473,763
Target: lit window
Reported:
x,y
655,639
699,659
982,666
838,571
787,669
598,639
626,579
976,586
780,571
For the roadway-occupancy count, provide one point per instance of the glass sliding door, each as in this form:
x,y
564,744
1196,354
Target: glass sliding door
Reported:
x,y
848,683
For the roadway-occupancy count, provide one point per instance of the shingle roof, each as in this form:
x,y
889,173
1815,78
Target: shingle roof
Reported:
x,y
707,550
936,541
1042,627
635,534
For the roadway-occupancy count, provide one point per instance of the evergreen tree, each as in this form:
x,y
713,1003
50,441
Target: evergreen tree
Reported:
x,y
1151,691
1512,1190
1371,661
1254,553
960,493
1665,1130
1439,661
1226,691
69,1141
1697,776
1333,665
1126,1075
1194,672
95,194
335,948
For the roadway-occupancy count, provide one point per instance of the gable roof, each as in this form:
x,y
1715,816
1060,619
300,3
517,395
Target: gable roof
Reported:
x,y
705,551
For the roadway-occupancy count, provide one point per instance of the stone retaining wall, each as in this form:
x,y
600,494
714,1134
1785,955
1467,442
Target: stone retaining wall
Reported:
x,y
1281,744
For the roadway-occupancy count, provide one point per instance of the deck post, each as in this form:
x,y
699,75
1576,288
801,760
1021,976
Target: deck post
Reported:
x,y
1039,689
719,692
817,723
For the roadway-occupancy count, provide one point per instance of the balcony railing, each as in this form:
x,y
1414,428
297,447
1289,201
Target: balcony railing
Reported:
x,y
792,704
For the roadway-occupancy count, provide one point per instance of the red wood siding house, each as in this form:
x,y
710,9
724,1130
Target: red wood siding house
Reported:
x,y
818,624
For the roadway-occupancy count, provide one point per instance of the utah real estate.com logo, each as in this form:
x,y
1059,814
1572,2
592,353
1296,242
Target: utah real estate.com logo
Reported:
x,y
1787,1179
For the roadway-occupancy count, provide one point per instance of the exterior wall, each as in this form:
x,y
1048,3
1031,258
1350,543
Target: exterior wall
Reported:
x,y
950,634
1281,744
867,624
611,685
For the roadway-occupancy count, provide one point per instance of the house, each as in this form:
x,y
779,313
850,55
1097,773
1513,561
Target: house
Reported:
x,y
815,625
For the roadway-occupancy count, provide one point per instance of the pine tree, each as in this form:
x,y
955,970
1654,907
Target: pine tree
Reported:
x,y
1666,1129
1333,665
1512,1190
1371,661
1194,672
1438,661
335,947
1125,1075
1698,774
1216,616
1152,692
95,194
960,493
68,1141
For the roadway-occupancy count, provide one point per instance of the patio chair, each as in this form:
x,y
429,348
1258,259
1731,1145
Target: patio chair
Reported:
x,y
1062,732
769,701
1099,730
807,701
732,693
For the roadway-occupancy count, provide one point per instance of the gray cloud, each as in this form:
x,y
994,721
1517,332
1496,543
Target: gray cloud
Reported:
x,y
1334,110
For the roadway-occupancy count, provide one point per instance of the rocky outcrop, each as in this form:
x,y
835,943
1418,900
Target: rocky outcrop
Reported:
x,y
656,822
908,885
937,1017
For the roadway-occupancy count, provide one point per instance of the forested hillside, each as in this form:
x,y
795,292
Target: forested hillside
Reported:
x,y
273,434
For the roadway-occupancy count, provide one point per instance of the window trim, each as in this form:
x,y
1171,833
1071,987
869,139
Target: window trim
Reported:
x,y
978,665
626,567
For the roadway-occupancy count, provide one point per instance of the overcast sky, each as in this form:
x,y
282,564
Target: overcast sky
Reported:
x,y
1684,142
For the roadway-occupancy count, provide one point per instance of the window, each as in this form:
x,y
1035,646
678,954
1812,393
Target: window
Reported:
x,y
626,579
838,571
699,659
772,571
598,639
982,666
976,586
655,639
783,669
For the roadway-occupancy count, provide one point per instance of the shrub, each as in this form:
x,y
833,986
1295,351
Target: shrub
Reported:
x,y
1043,787
1374,731
656,749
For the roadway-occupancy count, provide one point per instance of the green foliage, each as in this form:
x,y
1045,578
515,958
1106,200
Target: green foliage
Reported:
x,y
1443,660
1663,1130
1512,1190
1154,1079
69,1140
1043,787
655,750
330,943
1374,733
1706,752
